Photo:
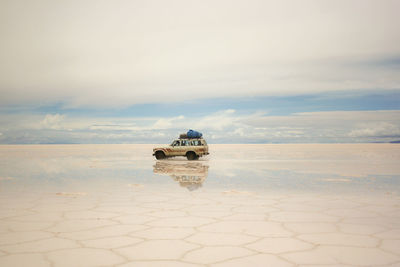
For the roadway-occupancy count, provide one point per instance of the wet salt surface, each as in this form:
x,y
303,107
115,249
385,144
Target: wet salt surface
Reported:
x,y
244,205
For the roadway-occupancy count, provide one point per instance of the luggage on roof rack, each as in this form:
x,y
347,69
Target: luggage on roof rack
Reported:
x,y
191,134
194,134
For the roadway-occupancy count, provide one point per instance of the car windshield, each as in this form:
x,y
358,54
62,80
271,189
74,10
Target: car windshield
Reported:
x,y
175,143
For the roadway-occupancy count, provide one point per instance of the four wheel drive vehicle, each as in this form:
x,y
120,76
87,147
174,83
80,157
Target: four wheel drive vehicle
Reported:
x,y
192,148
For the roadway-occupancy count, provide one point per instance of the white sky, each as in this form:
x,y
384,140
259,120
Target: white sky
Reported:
x,y
96,55
119,53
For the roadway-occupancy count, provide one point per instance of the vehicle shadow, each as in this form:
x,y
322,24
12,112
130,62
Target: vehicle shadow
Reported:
x,y
188,174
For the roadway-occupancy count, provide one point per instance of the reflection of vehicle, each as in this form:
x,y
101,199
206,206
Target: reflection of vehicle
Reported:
x,y
189,174
192,148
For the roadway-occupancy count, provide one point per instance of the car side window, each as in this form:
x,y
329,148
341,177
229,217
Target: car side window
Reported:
x,y
176,143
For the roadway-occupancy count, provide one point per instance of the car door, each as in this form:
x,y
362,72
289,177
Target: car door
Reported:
x,y
176,148
192,146
183,148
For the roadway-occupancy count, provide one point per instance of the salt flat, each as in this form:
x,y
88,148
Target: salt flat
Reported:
x,y
243,205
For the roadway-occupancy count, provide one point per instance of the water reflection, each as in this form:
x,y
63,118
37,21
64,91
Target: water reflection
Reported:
x,y
189,174
266,168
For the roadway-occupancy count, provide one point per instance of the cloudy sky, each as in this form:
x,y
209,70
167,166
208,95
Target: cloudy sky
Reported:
x,y
239,71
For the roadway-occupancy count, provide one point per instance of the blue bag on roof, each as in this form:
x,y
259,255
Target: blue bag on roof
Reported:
x,y
194,134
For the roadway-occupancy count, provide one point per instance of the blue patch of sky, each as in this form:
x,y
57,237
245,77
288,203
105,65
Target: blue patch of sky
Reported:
x,y
391,62
273,105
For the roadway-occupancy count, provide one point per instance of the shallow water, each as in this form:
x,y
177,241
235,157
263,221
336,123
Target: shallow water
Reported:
x,y
252,205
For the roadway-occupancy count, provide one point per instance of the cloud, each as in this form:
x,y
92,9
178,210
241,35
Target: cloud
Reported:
x,y
332,126
217,121
115,127
52,121
376,129
225,126
120,53
167,123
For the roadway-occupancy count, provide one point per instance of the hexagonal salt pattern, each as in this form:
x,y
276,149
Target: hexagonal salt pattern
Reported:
x,y
317,237
151,225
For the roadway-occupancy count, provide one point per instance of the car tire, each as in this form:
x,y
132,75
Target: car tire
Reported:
x,y
191,156
160,155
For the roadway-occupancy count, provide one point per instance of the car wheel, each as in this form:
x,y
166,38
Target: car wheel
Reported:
x,y
191,156
160,155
